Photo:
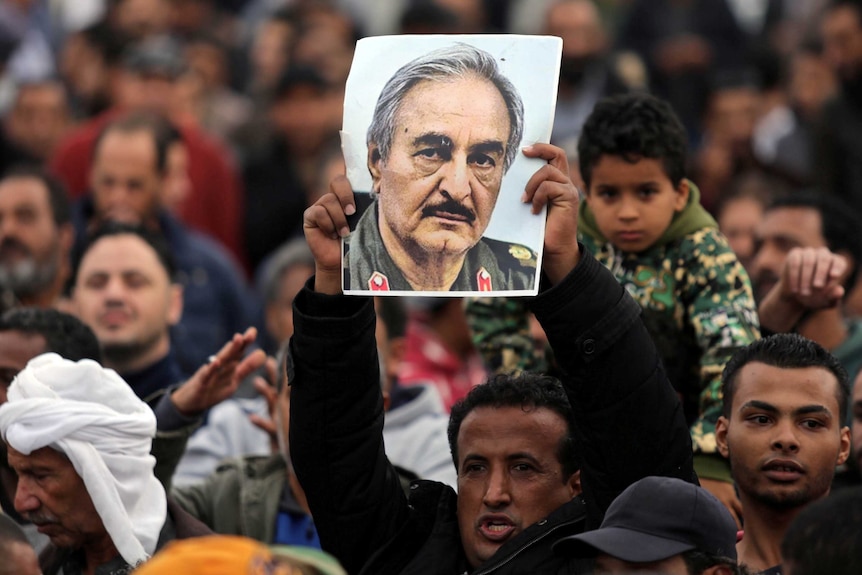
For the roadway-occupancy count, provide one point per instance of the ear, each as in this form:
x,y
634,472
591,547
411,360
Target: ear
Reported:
x,y
844,452
374,161
721,436
574,484
682,193
175,305
66,234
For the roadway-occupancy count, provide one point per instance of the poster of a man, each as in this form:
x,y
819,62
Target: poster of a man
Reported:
x,y
440,156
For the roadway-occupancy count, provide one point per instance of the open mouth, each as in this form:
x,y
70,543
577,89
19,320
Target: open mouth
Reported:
x,y
783,471
496,529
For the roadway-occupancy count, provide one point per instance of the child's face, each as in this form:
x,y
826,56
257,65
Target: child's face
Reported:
x,y
633,203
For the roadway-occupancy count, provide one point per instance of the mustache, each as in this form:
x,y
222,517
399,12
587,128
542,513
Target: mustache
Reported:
x,y
10,243
449,206
40,518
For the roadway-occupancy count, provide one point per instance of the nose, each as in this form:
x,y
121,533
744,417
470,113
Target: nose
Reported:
x,y
25,500
455,178
497,492
785,439
628,210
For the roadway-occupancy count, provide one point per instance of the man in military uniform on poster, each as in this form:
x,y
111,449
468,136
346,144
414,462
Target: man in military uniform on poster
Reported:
x,y
445,130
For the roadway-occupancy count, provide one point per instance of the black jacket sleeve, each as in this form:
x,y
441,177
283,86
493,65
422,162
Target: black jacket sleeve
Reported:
x,y
628,421
336,427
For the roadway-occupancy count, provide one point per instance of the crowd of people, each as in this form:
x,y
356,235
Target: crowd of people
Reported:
x,y
185,388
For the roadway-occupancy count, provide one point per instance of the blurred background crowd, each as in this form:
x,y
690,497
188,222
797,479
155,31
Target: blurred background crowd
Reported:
x,y
769,91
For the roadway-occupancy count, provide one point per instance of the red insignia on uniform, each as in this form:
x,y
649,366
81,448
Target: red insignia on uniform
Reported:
x,y
483,279
378,282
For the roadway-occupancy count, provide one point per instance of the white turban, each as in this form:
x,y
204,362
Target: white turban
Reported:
x,y
93,416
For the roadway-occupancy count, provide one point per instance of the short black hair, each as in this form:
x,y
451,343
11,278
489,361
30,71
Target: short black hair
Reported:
x,y
839,223
163,132
785,351
152,238
57,196
528,391
826,536
632,127
64,334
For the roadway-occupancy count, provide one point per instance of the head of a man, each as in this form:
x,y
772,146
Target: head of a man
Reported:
x,y
805,220
579,24
282,278
785,398
124,290
28,332
515,457
826,537
63,423
19,558
35,232
129,169
632,157
39,117
445,129
639,534
841,31
856,422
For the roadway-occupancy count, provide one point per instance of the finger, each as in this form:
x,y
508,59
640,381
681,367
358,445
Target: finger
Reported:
x,y
839,267
271,367
268,392
327,214
822,268
554,155
340,186
806,271
545,174
251,363
263,423
792,266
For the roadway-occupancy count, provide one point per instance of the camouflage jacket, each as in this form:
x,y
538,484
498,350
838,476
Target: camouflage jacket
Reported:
x,y
698,305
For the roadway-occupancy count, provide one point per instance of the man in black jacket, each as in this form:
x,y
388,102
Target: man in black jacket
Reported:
x,y
615,417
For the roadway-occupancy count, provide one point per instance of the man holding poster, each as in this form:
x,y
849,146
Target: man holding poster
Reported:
x,y
446,128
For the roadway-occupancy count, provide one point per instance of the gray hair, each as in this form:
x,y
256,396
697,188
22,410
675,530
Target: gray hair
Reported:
x,y
456,61
293,253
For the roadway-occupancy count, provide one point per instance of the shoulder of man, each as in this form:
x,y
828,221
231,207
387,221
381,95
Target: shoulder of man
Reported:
x,y
514,257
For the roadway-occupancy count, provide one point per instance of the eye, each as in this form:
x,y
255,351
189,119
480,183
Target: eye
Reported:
x,y
428,154
759,419
481,160
607,194
523,468
473,468
647,192
813,424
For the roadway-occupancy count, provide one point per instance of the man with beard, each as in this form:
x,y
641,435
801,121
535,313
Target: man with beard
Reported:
x,y
784,403
807,259
587,71
35,238
445,130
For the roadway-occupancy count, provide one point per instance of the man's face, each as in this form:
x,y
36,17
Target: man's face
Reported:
x,y
857,422
125,295
30,242
16,349
39,118
124,177
53,496
842,41
738,221
781,230
509,475
633,203
671,566
279,312
438,186
784,435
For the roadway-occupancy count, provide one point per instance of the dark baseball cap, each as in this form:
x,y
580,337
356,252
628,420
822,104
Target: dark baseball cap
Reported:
x,y
654,519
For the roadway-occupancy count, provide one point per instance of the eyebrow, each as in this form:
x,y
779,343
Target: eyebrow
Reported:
x,y
435,139
768,407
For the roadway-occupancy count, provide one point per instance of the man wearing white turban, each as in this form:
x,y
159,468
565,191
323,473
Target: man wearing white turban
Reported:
x,y
79,439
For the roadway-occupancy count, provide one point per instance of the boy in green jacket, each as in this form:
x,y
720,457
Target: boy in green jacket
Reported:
x,y
643,220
